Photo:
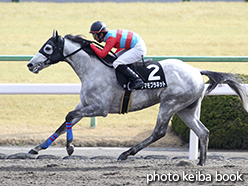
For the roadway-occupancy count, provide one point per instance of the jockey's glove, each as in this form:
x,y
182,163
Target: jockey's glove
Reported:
x,y
87,43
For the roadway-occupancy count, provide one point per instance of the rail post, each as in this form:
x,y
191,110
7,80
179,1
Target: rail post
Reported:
x,y
93,122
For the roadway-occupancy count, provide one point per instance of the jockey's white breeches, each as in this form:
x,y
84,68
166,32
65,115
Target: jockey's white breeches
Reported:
x,y
129,56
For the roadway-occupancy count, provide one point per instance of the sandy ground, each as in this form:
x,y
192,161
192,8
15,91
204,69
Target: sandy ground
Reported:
x,y
98,166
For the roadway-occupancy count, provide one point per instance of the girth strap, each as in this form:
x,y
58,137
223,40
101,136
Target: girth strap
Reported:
x,y
125,102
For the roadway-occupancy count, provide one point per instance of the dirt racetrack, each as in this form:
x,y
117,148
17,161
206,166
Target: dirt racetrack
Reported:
x,y
100,167
130,172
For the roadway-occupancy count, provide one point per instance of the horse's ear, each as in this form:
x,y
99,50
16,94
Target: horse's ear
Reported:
x,y
55,35
54,32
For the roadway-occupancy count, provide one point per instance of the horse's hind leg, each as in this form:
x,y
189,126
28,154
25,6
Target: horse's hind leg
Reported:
x,y
190,116
159,132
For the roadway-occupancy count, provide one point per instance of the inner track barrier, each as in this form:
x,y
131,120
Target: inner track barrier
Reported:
x,y
21,88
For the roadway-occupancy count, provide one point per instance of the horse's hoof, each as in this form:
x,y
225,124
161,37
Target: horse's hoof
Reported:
x,y
201,164
70,150
33,151
122,157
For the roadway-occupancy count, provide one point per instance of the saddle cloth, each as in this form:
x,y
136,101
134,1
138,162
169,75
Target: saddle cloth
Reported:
x,y
150,72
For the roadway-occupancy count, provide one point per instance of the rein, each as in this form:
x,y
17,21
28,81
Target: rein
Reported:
x,y
81,48
102,60
64,57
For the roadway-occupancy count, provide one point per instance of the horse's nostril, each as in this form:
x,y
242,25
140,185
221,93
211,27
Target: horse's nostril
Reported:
x,y
29,65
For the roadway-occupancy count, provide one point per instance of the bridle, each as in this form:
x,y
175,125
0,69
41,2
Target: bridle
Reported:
x,y
58,47
57,55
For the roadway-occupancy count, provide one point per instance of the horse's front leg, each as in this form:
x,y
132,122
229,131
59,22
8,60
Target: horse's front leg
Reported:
x,y
88,111
61,130
69,137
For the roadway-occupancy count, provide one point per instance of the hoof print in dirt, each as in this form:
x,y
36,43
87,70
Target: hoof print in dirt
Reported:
x,y
74,157
3,156
21,156
216,157
157,157
237,158
180,157
184,163
102,158
135,157
42,157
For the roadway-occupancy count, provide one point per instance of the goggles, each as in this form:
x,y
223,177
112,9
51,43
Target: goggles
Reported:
x,y
95,36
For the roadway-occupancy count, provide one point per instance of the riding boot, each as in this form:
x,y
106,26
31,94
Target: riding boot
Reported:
x,y
136,82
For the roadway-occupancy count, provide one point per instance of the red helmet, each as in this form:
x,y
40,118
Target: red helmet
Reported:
x,y
98,27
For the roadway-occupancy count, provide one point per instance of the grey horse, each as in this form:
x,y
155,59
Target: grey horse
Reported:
x,y
101,94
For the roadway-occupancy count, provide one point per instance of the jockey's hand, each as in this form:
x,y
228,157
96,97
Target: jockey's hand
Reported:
x,y
87,43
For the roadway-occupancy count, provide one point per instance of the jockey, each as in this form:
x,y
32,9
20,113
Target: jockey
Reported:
x,y
130,48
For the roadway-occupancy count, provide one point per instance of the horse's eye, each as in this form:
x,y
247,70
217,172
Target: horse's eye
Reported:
x,y
48,49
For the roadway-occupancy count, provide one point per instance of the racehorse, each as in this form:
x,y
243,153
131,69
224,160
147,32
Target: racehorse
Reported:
x,y
101,93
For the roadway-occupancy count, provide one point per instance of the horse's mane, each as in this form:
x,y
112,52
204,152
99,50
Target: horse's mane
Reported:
x,y
77,38
83,42
108,60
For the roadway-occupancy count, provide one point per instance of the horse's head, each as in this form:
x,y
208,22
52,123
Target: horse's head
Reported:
x,y
50,53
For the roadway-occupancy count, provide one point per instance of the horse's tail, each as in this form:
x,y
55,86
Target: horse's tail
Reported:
x,y
236,82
